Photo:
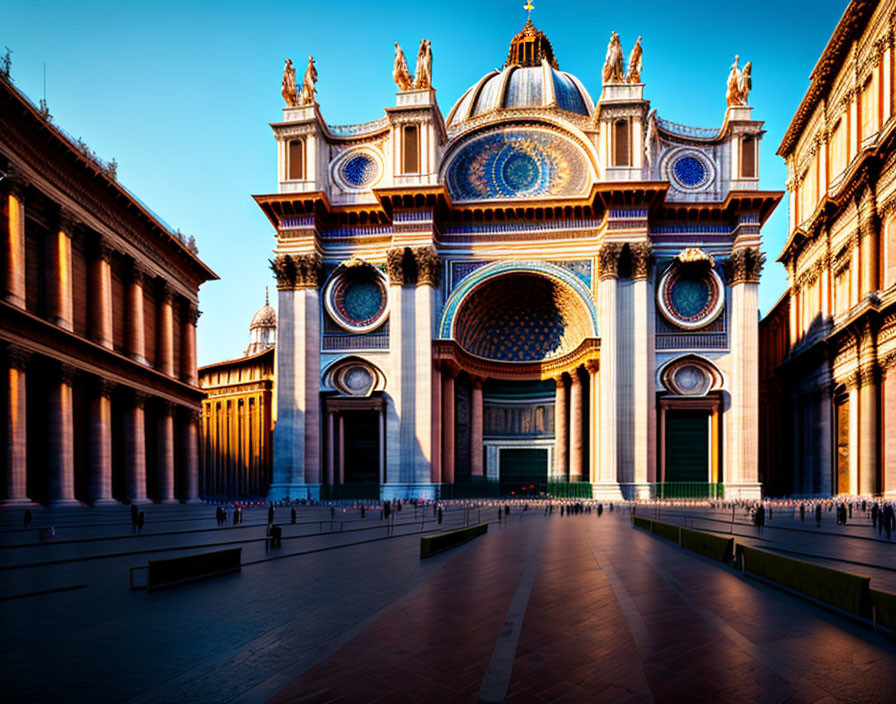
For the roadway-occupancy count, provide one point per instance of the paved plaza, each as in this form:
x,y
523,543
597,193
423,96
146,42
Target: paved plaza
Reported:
x,y
543,608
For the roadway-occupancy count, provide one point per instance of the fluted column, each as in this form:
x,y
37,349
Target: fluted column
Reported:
x,y
448,374
592,366
190,444
101,295
166,453
436,467
575,427
606,293
644,391
188,344
560,430
476,428
16,480
60,437
331,448
136,325
135,449
59,272
869,417
342,448
15,240
101,442
165,323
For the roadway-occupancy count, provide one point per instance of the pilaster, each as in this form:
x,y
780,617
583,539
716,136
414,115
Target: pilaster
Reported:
x,y
644,390
575,427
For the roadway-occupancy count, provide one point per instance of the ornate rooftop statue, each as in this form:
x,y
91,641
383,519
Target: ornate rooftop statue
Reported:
x,y
740,83
650,138
306,97
614,66
289,84
423,70
634,64
400,73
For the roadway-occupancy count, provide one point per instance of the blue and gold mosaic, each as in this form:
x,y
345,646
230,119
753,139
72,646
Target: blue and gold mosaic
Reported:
x,y
689,171
359,171
690,296
357,300
522,163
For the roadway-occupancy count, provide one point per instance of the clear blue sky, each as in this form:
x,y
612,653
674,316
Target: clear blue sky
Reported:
x,y
181,93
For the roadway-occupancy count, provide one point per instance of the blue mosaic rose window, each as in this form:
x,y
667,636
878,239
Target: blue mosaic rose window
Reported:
x,y
689,171
690,296
521,163
357,300
359,171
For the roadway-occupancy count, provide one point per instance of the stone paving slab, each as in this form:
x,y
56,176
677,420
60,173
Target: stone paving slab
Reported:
x,y
612,614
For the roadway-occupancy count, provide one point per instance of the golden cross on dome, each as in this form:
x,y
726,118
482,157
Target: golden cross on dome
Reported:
x,y
529,7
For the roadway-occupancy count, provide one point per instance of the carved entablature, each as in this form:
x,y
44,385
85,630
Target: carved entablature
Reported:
x,y
297,271
608,260
744,266
642,259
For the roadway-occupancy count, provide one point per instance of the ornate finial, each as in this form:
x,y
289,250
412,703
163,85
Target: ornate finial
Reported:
x,y
266,301
528,7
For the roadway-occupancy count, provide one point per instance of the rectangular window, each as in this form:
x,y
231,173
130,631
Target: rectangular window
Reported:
x,y
296,160
748,157
869,109
838,155
621,143
842,419
890,252
411,144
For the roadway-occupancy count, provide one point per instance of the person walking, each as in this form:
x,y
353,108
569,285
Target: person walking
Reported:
x,y
271,513
818,515
292,514
440,515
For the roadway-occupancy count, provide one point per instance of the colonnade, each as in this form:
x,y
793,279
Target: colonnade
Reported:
x,y
59,310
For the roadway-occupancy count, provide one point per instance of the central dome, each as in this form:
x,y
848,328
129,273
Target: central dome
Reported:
x,y
530,79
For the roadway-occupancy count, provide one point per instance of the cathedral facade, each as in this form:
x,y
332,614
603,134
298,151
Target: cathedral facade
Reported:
x,y
534,293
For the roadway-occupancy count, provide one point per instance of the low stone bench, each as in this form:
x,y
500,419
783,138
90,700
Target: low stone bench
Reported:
x,y
437,542
172,572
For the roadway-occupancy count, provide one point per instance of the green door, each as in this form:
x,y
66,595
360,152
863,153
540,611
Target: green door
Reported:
x,y
524,471
687,446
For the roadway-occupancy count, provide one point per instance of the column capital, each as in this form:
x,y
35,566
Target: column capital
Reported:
x,y
592,366
477,381
67,220
140,398
395,266
15,182
102,250
449,368
66,373
166,293
608,260
297,271
642,259
429,270
559,382
574,378
192,314
104,387
17,356
166,407
744,266
139,274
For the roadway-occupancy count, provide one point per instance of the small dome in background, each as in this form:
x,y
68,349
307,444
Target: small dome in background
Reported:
x,y
530,79
263,328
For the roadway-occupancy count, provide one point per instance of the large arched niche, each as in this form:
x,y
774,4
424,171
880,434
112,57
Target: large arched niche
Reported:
x,y
520,312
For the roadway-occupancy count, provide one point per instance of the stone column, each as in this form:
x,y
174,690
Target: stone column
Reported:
x,y
166,453
644,390
101,442
560,430
575,427
101,295
190,444
742,428
448,374
400,368
382,452
136,326
188,344
16,427
476,428
592,366
342,448
425,295
869,417
868,228
60,438
59,272
331,448
606,294
165,325
297,432
15,240
436,471
135,450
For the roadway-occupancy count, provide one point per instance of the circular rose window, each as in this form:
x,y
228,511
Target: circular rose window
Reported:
x,y
690,296
357,299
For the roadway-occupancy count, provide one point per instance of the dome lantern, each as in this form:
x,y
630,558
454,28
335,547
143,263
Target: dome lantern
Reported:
x,y
529,47
263,328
